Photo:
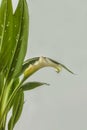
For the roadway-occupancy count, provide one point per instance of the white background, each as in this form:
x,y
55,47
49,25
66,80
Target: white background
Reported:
x,y
58,29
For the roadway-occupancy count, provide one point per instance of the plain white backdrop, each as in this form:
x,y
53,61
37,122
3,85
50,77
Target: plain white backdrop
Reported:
x,y
58,29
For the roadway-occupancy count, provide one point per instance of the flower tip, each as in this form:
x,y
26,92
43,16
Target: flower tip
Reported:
x,y
58,68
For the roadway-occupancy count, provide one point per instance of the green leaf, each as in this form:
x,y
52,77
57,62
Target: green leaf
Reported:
x,y
6,33
3,10
17,18
1,84
17,109
32,85
22,41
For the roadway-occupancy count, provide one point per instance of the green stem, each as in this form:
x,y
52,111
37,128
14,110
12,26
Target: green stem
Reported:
x,y
9,102
3,113
3,123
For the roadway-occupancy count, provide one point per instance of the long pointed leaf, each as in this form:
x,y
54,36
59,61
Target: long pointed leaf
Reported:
x,y
17,20
1,84
3,10
32,85
6,33
22,42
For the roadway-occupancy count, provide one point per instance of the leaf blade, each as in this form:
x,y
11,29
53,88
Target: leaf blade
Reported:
x,y
6,33
1,84
22,45
32,85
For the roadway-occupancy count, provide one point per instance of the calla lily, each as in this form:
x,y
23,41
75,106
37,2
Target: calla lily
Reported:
x,y
42,62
